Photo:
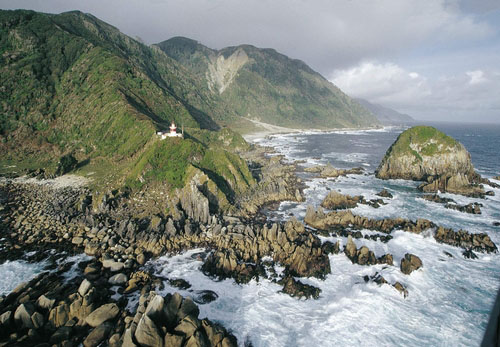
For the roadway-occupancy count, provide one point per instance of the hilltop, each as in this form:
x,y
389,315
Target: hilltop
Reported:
x,y
264,85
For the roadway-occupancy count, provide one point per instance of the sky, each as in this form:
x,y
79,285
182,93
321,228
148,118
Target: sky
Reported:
x,y
431,59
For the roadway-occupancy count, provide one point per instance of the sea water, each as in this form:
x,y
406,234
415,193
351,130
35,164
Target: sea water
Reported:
x,y
449,298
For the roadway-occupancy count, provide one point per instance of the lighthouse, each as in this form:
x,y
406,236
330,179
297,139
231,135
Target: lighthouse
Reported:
x,y
172,133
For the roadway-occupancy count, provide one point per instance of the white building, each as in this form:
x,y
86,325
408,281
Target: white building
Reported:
x,y
172,133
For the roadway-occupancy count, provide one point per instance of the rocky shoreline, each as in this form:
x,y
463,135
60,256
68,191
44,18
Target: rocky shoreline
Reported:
x,y
114,230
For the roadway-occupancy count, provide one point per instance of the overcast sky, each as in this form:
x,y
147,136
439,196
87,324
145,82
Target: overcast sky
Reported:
x,y
432,59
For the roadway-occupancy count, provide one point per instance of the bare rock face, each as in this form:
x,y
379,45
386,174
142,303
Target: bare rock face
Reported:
x,y
336,201
423,153
195,204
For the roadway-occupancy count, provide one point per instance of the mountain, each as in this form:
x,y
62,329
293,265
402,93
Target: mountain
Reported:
x,y
385,115
74,86
264,85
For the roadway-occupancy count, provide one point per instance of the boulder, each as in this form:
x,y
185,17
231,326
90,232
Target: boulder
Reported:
x,y
59,315
118,279
113,265
172,340
84,287
147,333
98,335
45,303
22,316
102,314
410,263
298,289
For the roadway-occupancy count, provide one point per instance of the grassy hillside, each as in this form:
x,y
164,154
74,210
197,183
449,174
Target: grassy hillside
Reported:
x,y
71,80
265,85
72,84
422,140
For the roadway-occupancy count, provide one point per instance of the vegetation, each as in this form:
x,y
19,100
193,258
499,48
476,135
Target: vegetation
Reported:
x,y
273,88
421,141
74,84
171,161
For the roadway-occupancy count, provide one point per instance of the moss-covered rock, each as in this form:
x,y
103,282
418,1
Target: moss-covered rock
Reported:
x,y
423,153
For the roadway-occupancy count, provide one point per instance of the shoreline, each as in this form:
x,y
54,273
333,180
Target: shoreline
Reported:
x,y
271,129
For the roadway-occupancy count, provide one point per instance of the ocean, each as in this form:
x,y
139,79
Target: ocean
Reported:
x,y
449,298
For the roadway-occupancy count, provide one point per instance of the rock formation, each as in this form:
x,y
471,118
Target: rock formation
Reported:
x,y
410,263
423,153
334,220
328,171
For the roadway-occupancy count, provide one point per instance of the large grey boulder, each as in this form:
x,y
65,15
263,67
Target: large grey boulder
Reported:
x,y
147,333
102,314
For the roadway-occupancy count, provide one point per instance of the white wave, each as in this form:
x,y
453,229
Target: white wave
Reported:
x,y
447,303
16,272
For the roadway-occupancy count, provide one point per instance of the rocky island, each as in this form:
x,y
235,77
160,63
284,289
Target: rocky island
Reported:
x,y
423,153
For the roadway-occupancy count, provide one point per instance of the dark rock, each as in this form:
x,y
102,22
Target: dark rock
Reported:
x,y
98,335
385,194
204,296
469,254
410,263
330,248
298,289
179,283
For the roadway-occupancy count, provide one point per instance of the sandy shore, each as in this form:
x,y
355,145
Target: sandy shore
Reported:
x,y
270,129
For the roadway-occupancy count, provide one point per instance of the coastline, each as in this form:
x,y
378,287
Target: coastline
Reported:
x,y
270,129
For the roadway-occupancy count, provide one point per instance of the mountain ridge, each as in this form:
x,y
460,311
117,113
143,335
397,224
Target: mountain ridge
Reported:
x,y
265,85
385,115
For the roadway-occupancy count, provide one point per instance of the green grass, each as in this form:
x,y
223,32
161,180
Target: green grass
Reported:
x,y
432,140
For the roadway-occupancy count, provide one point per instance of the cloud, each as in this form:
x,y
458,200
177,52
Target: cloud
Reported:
x,y
325,34
476,76
464,94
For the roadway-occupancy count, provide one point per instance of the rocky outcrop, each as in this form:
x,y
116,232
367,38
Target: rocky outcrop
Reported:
x,y
410,263
346,219
472,208
480,242
194,203
334,221
86,314
384,193
336,201
329,171
289,244
424,153
363,255
276,182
